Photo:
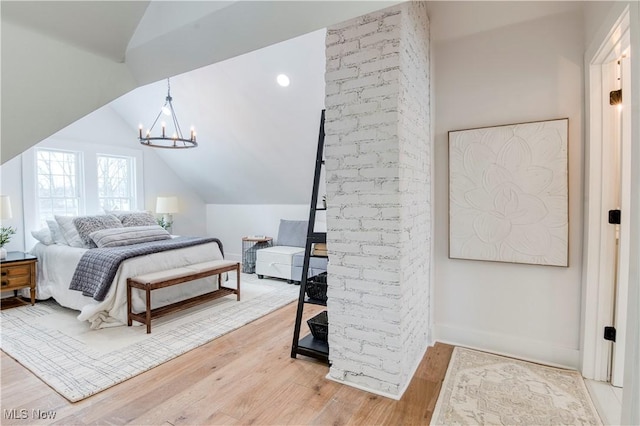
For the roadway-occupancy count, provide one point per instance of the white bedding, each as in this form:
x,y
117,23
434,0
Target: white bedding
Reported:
x,y
57,263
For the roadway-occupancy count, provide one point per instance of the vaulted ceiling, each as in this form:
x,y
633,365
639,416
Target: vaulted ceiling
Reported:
x,y
62,60
256,139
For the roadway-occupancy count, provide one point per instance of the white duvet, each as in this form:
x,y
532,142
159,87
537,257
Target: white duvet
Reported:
x,y
57,263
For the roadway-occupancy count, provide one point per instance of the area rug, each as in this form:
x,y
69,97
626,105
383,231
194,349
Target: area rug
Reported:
x,y
486,389
78,362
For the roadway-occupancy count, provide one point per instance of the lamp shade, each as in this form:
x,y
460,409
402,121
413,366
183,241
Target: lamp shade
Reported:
x,y
5,207
167,205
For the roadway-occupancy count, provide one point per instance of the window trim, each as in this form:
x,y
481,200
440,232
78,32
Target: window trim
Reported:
x,y
88,178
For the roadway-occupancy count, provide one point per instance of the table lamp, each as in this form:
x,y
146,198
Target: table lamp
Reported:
x,y
5,232
167,206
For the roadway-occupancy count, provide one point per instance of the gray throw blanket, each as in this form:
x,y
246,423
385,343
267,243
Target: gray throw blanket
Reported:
x,y
97,267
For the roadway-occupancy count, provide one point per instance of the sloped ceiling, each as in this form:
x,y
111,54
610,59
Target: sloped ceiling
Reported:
x,y
101,27
61,60
71,53
257,140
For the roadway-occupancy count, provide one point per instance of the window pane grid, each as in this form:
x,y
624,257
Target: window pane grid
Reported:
x,y
115,182
58,188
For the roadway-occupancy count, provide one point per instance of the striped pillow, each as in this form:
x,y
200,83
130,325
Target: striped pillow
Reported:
x,y
128,235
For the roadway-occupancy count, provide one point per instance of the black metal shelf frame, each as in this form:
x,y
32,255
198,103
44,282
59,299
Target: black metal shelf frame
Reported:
x,y
308,345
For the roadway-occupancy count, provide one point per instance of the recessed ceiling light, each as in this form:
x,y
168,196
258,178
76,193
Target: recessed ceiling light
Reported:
x,y
283,80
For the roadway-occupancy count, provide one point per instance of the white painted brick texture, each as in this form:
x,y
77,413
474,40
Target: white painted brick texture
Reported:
x,y
415,164
377,168
361,150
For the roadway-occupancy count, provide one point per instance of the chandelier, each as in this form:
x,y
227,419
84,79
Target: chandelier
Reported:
x,y
172,140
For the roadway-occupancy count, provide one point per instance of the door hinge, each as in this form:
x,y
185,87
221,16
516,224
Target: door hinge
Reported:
x,y
610,333
614,217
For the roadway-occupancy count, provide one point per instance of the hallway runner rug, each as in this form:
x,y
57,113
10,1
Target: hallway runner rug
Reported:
x,y
79,362
485,389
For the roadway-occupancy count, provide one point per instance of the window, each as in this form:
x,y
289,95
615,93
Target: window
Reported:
x,y
116,188
58,183
67,178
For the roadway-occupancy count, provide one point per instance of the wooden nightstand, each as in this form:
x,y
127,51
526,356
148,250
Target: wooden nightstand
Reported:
x,y
18,271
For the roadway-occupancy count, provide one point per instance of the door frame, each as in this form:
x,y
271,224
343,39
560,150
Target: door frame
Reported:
x,y
599,251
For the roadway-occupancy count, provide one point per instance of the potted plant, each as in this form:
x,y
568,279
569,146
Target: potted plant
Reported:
x,y
164,223
5,236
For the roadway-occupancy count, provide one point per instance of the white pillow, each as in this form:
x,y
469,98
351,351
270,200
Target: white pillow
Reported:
x,y
43,235
136,218
69,231
116,237
56,233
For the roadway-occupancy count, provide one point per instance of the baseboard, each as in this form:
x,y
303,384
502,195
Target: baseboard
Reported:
x,y
526,349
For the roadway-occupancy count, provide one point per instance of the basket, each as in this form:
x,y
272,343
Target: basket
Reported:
x,y
319,326
316,287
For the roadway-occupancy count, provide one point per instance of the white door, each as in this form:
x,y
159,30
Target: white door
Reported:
x,y
623,148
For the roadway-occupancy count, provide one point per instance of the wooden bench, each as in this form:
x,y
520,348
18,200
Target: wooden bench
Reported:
x,y
170,277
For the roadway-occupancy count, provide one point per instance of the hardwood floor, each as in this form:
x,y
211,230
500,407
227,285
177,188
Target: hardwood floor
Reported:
x,y
244,377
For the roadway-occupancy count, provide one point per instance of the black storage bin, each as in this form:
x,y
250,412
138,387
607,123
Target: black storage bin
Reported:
x,y
316,287
319,326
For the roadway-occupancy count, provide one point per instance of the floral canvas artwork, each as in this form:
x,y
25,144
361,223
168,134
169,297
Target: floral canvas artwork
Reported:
x,y
508,199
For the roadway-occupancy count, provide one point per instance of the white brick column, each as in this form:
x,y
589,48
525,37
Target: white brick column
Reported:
x,y
378,150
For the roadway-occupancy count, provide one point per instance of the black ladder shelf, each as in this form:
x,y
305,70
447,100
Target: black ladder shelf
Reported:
x,y
308,345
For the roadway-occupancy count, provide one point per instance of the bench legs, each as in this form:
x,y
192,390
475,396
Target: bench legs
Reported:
x,y
129,304
148,310
149,314
238,281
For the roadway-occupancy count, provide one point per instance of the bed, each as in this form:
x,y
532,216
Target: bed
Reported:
x,y
57,263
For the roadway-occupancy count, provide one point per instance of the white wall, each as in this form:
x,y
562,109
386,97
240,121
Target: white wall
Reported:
x,y
526,72
106,127
230,222
101,131
11,185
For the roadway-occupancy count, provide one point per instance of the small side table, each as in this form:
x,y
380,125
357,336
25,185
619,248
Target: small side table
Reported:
x,y
249,247
18,271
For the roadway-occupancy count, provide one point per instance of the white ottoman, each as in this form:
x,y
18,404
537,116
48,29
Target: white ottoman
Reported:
x,y
276,261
